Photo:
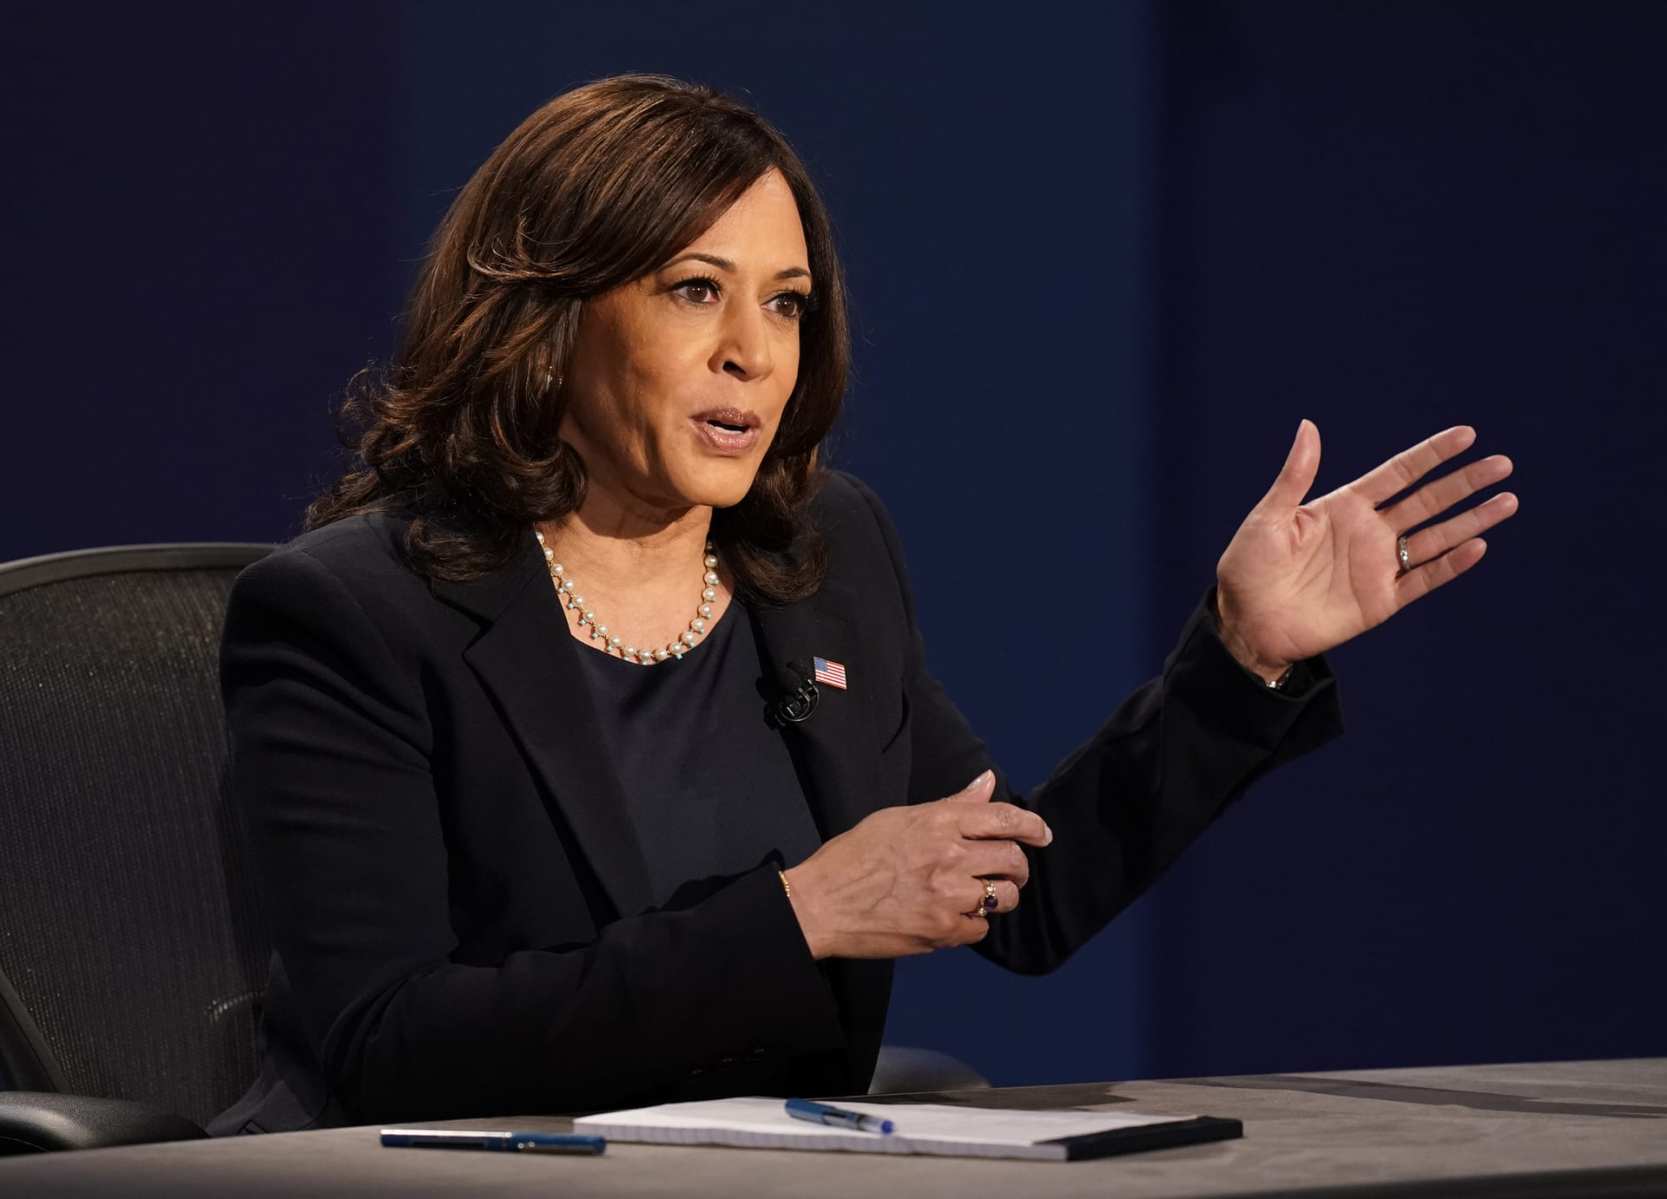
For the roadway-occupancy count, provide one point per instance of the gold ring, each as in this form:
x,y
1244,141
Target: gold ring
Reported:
x,y
1402,553
986,904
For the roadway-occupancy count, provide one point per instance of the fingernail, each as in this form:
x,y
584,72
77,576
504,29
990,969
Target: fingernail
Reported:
x,y
1048,829
982,779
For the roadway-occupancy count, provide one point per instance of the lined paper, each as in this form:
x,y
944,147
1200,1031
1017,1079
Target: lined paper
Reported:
x,y
922,1128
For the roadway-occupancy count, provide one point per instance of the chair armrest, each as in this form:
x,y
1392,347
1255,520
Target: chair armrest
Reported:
x,y
902,1070
42,1121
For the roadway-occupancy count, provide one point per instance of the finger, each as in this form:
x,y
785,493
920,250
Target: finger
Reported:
x,y
1007,897
1421,580
977,791
1003,821
970,898
996,859
1407,467
1296,477
1438,539
1435,498
951,925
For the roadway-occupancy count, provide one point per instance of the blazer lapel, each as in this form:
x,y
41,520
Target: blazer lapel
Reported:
x,y
528,661
834,745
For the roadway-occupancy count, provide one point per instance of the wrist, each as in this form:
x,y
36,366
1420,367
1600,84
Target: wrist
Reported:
x,y
1270,671
793,882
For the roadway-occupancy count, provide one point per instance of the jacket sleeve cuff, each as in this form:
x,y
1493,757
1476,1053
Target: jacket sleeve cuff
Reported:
x,y
796,1010
1234,702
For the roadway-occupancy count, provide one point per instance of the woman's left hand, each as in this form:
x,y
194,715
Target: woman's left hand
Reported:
x,y
1299,579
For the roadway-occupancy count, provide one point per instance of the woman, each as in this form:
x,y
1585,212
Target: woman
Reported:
x,y
587,733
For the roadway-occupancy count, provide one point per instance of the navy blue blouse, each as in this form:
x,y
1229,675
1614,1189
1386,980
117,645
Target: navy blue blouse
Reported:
x,y
710,785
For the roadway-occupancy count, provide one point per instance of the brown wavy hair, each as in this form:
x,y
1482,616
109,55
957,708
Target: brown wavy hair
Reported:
x,y
597,188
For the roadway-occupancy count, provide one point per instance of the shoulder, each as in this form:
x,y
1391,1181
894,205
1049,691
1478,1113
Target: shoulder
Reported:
x,y
852,518
865,554
352,566
363,551
336,612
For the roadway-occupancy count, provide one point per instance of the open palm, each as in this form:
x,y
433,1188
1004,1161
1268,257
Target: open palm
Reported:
x,y
1299,579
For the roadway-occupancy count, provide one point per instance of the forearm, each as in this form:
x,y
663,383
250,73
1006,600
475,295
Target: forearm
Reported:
x,y
1155,775
655,999
1125,804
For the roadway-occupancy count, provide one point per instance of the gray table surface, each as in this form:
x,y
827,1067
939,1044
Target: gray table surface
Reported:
x,y
1554,1128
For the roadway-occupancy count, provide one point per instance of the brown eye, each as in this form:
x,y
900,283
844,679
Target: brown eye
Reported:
x,y
698,291
792,304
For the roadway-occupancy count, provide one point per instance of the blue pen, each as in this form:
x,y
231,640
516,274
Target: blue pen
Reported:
x,y
839,1117
503,1142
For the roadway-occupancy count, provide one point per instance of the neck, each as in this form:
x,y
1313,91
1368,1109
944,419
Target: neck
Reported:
x,y
617,541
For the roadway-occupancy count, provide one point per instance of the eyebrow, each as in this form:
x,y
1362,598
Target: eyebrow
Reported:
x,y
724,264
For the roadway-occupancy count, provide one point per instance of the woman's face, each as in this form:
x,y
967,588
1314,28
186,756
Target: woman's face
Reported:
x,y
678,380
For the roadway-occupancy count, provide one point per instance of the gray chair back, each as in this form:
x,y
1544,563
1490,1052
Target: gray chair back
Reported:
x,y
132,949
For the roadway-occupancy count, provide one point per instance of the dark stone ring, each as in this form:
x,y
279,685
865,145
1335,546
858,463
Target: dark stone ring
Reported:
x,y
989,902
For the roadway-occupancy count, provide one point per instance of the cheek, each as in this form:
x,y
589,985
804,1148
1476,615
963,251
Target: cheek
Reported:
x,y
656,366
786,376
635,385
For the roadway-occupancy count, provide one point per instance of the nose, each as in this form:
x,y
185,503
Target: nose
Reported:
x,y
743,349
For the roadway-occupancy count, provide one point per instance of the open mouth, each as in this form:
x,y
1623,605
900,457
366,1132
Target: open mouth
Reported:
x,y
729,420
729,432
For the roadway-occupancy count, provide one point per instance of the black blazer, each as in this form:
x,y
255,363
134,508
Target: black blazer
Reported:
x,y
458,905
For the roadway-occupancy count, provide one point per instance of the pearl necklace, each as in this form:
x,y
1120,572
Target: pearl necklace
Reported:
x,y
612,642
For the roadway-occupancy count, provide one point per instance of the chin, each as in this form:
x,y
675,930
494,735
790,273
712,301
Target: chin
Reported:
x,y
719,485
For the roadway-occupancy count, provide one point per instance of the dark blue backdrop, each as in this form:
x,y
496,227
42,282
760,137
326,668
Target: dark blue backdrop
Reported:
x,y
1101,266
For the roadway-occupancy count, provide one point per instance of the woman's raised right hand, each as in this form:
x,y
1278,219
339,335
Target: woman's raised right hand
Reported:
x,y
903,880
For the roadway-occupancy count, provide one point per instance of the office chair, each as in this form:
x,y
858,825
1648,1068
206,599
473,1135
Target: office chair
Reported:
x,y
130,971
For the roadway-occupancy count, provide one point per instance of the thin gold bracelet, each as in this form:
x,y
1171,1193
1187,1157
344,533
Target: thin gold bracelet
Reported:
x,y
785,885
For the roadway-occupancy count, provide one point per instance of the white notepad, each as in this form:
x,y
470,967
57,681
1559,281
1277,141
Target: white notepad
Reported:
x,y
924,1128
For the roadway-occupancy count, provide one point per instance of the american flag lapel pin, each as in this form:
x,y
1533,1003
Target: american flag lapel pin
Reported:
x,y
829,672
